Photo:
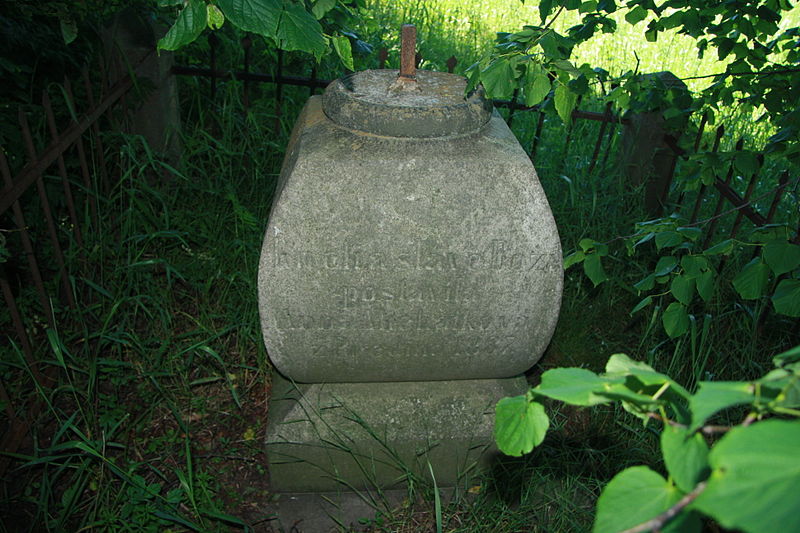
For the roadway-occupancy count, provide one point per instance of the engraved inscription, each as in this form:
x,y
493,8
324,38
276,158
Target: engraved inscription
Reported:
x,y
389,319
497,256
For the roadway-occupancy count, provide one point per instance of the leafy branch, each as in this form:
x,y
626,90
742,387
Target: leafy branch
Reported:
x,y
657,523
753,461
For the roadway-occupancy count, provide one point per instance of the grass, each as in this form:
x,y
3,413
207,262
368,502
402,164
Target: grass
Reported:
x,y
158,415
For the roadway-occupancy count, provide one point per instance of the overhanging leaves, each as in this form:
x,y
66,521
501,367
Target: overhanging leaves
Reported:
x,y
257,16
754,479
188,26
519,425
636,495
685,455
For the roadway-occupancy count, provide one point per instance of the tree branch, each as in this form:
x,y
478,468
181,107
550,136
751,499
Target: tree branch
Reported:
x,y
751,73
658,522
550,22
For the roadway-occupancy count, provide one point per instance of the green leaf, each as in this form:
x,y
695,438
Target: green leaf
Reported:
x,y
69,29
694,265
214,17
498,78
188,26
665,265
567,66
647,300
721,248
545,8
705,285
591,244
257,16
537,84
781,256
682,288
685,455
636,15
751,282
714,396
746,163
754,479
636,495
786,299
321,7
668,239
565,101
593,268
573,258
645,284
299,30
575,386
341,43
675,320
519,425
620,363
690,233
788,357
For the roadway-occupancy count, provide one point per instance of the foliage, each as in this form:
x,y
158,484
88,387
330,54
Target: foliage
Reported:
x,y
762,71
745,480
287,24
686,273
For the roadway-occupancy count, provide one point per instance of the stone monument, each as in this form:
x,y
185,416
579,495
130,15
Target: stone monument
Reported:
x,y
410,273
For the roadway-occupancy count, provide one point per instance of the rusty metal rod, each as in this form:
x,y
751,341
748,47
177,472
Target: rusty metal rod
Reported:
x,y
98,141
38,165
600,136
751,186
27,244
87,177
702,192
408,46
62,170
45,206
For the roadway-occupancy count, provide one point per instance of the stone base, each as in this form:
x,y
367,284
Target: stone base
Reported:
x,y
329,437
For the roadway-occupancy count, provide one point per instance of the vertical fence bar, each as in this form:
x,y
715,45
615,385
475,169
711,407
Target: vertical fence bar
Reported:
x,y
748,193
773,207
599,142
16,319
718,209
279,92
10,413
570,131
312,88
87,177
98,138
696,145
27,244
538,133
212,53
62,170
512,107
698,202
247,44
51,226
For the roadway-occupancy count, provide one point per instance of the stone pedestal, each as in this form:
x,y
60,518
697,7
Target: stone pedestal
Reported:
x,y
366,435
410,273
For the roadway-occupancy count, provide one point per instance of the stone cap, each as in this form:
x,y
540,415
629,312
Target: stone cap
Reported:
x,y
432,105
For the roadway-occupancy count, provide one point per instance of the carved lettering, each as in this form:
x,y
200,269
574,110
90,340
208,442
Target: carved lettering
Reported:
x,y
497,256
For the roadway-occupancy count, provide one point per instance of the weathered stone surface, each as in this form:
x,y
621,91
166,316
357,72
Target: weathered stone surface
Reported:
x,y
433,106
367,435
407,258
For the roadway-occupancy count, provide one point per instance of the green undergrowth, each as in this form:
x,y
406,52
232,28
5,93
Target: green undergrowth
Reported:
x,y
157,416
